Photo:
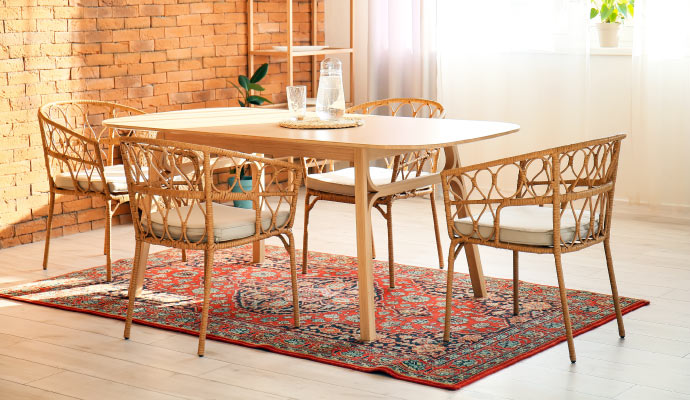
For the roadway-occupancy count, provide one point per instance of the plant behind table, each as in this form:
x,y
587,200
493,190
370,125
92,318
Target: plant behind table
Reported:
x,y
248,84
612,11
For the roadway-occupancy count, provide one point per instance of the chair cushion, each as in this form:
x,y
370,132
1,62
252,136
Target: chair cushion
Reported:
x,y
342,181
230,223
114,177
116,180
529,225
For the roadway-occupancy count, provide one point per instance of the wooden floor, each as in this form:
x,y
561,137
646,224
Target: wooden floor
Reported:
x,y
51,354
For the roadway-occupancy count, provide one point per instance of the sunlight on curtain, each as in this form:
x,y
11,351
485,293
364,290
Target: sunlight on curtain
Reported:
x,y
402,53
660,139
522,61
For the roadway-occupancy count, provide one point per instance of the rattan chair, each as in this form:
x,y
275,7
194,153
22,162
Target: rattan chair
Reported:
x,y
78,152
182,208
548,202
338,185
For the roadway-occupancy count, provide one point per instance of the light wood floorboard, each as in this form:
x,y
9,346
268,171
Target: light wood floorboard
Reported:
x,y
53,354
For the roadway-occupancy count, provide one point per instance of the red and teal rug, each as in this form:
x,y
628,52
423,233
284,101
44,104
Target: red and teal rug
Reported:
x,y
251,306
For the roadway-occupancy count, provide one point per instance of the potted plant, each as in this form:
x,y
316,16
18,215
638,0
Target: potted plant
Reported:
x,y
246,85
612,13
245,185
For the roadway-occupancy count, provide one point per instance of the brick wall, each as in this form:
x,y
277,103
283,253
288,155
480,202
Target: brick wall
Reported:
x,y
157,55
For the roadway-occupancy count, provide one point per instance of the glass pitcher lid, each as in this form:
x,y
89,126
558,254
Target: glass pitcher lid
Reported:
x,y
331,65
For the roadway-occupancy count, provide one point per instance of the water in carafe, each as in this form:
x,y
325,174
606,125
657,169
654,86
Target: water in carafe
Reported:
x,y
330,99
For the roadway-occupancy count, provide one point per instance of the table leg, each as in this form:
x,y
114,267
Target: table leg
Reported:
x,y
143,258
474,262
367,305
258,252
258,249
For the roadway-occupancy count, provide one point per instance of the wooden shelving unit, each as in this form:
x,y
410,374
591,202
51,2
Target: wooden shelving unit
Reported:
x,y
290,53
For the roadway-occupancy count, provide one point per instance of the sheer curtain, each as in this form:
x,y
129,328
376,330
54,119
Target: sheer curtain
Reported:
x,y
657,165
401,51
528,62
523,61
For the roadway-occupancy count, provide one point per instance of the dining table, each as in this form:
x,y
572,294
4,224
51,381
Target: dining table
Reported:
x,y
257,130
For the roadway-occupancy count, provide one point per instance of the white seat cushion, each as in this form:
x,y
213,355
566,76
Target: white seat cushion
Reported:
x,y
529,225
114,177
116,180
342,181
230,223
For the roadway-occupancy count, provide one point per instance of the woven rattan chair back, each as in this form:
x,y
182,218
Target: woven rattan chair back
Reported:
x,y
78,146
160,181
403,166
576,182
166,195
85,117
410,164
407,165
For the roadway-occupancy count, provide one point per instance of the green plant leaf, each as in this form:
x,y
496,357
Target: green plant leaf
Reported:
x,y
256,86
258,100
605,12
241,103
593,13
260,73
244,82
623,10
614,16
631,10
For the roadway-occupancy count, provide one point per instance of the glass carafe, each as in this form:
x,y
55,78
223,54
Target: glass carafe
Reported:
x,y
330,99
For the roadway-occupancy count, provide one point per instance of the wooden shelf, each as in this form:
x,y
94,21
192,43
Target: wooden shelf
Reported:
x,y
252,52
322,52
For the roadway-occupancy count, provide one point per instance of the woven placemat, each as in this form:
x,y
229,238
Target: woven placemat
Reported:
x,y
315,123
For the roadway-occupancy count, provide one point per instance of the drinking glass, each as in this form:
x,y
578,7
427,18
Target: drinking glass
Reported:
x,y
297,101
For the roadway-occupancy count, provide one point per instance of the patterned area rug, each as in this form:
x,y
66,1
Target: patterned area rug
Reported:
x,y
251,306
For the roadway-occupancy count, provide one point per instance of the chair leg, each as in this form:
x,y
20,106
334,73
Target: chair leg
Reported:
x,y
439,250
373,248
208,267
106,239
614,288
452,253
133,283
564,306
293,277
516,284
391,260
184,255
49,227
108,227
305,236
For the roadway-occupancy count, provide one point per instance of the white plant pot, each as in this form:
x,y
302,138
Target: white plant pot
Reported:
x,y
608,34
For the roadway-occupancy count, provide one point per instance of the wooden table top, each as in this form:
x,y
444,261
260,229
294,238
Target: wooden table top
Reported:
x,y
378,132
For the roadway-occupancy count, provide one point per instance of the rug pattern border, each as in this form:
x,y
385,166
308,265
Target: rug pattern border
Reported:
x,y
634,306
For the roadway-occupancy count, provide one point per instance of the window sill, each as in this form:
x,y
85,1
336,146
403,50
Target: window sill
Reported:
x,y
610,51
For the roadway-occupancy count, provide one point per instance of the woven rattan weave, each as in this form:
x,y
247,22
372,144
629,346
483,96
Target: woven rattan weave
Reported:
x,y
403,166
315,123
160,189
76,144
576,181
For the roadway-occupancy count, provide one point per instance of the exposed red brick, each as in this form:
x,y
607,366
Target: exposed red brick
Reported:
x,y
109,71
157,55
151,10
99,59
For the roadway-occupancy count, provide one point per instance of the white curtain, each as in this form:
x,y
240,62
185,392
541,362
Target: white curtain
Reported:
x,y
657,168
401,51
529,62
522,61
